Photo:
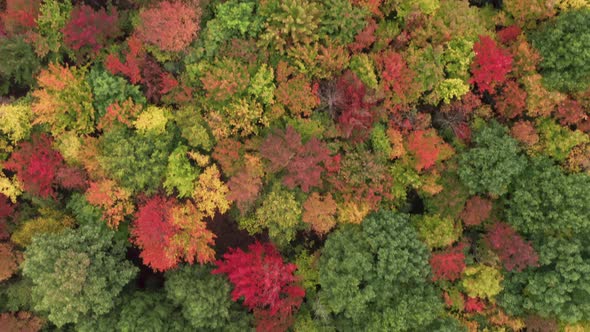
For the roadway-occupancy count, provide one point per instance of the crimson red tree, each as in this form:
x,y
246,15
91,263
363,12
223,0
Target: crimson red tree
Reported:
x,y
491,64
267,285
36,165
90,29
448,264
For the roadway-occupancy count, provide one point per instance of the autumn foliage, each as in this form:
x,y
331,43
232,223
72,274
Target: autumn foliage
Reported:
x,y
476,210
265,283
90,28
171,26
490,66
448,264
515,253
166,232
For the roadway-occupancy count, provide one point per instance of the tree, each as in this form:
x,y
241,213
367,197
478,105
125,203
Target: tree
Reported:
x,y
77,273
437,231
493,162
355,118
22,321
180,174
482,281
295,92
64,100
121,149
205,304
319,211
428,148
448,264
9,260
373,276
20,66
49,221
115,201
303,162
490,66
167,232
563,44
88,30
511,103
267,285
515,253
170,26
476,211
554,215
36,165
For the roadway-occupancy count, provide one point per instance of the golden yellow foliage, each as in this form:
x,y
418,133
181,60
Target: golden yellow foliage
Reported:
x,y
15,121
152,119
211,193
50,221
352,212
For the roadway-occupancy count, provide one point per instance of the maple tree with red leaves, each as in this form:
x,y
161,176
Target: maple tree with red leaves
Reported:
x,y
267,285
167,231
570,112
36,165
448,264
171,26
515,253
90,28
19,16
476,210
428,148
474,304
490,66
304,163
134,59
356,117
365,38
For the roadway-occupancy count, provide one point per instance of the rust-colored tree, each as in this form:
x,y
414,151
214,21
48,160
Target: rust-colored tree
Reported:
x,y
515,253
511,103
319,211
525,132
356,117
304,163
476,210
266,284
115,201
134,58
428,148
8,261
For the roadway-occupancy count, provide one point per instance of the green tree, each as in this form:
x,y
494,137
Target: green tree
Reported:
x,y
564,45
137,161
19,64
77,273
374,276
205,299
552,209
491,165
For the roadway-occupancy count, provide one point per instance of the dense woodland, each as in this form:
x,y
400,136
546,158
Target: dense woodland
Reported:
x,y
295,165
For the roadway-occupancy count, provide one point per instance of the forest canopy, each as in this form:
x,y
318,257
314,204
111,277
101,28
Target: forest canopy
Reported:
x,y
295,165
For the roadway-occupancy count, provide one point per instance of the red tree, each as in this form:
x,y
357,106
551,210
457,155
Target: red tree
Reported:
x,y
152,231
267,285
509,34
168,231
134,59
511,103
491,64
36,165
448,264
171,26
426,146
303,162
474,304
514,252
90,28
19,16
356,118
570,112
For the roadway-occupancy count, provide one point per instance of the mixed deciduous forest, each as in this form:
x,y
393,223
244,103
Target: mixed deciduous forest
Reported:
x,y
295,165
